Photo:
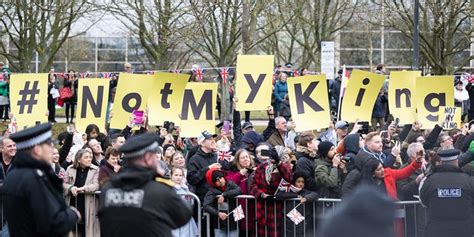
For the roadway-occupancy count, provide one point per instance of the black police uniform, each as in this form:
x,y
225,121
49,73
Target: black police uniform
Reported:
x,y
136,202
448,194
32,193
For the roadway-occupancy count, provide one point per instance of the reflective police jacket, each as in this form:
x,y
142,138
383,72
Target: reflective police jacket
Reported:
x,y
33,201
448,194
134,204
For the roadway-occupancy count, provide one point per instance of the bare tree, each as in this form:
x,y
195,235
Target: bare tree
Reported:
x,y
161,26
39,27
445,30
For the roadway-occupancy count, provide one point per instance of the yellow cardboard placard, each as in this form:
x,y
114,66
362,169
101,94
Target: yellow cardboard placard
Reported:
x,y
360,95
165,103
451,117
132,94
401,95
92,99
198,109
29,99
308,97
431,93
254,82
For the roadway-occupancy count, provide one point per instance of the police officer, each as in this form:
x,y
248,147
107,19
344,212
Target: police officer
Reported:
x,y
448,195
32,193
136,201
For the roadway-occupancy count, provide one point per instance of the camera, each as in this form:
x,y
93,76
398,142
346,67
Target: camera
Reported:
x,y
365,128
266,152
169,126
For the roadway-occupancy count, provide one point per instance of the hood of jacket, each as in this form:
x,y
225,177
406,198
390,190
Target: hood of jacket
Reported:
x,y
351,143
252,137
302,151
132,177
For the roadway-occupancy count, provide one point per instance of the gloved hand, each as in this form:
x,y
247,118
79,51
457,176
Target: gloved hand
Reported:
x,y
275,157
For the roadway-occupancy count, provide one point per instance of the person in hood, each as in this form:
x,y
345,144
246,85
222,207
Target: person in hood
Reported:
x,y
250,141
349,147
218,204
306,154
152,208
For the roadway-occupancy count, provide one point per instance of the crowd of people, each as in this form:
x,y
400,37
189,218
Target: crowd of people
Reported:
x,y
272,166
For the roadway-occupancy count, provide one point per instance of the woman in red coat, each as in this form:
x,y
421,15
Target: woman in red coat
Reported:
x,y
264,186
386,178
241,169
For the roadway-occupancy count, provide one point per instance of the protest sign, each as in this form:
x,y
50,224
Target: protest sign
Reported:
x,y
308,97
360,95
254,82
29,99
401,95
92,100
432,92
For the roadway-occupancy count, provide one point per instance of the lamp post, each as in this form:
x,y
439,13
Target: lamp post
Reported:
x,y
416,48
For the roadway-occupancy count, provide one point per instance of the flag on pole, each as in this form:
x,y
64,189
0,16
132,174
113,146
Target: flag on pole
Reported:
x,y
295,216
284,186
198,73
238,213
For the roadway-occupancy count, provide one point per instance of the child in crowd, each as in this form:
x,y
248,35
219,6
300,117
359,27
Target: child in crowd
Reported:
x,y
217,203
190,229
296,190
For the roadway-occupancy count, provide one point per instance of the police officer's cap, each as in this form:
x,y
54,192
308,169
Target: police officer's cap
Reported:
x,y
449,154
137,146
30,137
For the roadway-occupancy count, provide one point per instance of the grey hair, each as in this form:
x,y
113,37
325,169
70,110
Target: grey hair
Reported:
x,y
413,148
279,119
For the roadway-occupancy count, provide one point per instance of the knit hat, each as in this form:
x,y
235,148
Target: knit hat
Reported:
x,y
362,212
324,148
217,175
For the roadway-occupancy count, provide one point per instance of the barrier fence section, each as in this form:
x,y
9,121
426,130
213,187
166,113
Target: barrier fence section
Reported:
x,y
266,217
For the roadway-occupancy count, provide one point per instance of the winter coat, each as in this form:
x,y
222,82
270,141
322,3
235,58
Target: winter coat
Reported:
x,y
197,167
105,172
386,160
285,110
328,178
91,200
238,136
305,164
276,139
210,205
379,110
248,223
306,209
270,221
391,176
352,148
280,91
354,176
190,229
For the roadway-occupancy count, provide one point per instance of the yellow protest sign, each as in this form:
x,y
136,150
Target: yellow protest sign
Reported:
x,y
253,87
92,99
308,97
198,109
451,117
132,94
360,95
165,103
401,95
29,99
431,93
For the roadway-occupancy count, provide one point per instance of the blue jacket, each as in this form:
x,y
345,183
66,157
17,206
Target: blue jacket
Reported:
x,y
281,89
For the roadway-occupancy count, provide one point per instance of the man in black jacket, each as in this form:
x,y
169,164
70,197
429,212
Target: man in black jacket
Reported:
x,y
32,193
137,201
448,194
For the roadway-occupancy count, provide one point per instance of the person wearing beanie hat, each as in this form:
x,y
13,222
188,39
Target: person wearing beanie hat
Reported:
x,y
367,213
32,192
330,170
297,190
448,195
218,204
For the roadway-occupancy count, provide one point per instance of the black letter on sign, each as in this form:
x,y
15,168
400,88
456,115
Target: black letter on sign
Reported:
x,y
88,98
398,97
126,102
254,86
165,92
434,109
305,97
361,92
189,100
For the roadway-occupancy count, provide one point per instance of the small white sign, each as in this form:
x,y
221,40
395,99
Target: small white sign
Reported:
x,y
327,59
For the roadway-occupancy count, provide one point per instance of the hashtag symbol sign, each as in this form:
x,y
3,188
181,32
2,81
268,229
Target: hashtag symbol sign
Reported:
x,y
28,97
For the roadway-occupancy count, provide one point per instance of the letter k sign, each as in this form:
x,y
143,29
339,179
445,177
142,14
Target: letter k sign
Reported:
x,y
301,97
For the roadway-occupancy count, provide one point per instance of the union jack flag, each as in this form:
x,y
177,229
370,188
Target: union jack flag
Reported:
x,y
296,73
295,216
198,73
238,213
284,186
225,155
224,74
106,75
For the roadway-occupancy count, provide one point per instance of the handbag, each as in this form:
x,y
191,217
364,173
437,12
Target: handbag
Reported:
x,y
65,93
